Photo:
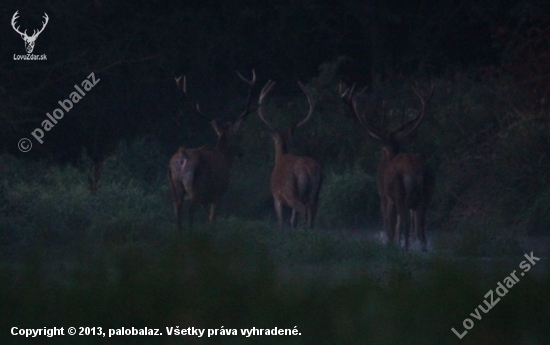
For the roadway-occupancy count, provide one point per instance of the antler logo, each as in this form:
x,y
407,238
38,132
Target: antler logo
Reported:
x,y
29,40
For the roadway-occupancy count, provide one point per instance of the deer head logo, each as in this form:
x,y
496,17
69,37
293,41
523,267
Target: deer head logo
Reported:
x,y
29,40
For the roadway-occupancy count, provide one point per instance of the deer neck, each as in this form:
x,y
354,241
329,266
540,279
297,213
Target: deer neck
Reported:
x,y
282,146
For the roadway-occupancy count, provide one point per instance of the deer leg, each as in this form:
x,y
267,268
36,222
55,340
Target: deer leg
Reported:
x,y
312,214
400,197
314,198
389,221
403,224
415,225
313,205
385,224
192,211
279,212
307,216
212,213
406,231
293,218
309,213
421,220
399,233
177,197
413,230
177,202
297,207
177,207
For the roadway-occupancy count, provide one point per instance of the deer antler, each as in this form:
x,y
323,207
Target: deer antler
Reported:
x,y
311,105
350,98
251,83
35,32
408,129
265,90
196,108
13,19
46,18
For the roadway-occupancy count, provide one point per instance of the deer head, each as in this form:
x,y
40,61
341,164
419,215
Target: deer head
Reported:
x,y
391,142
29,40
229,138
283,139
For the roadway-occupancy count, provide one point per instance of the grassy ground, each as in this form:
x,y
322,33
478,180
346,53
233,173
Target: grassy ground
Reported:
x,y
336,288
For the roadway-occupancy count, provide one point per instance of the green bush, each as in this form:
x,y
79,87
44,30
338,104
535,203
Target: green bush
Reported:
x,y
44,203
349,200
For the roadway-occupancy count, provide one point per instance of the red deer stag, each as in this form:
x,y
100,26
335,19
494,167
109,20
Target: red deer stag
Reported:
x,y
404,182
295,181
201,175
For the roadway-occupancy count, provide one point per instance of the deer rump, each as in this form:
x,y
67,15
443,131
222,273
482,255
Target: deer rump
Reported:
x,y
405,177
302,188
405,190
199,174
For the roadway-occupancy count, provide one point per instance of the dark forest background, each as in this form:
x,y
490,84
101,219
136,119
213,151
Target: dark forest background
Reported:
x,y
138,47
487,137
489,60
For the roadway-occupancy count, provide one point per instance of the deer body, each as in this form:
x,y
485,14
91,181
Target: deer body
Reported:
x,y
201,176
295,183
403,180
404,185
205,174
296,180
